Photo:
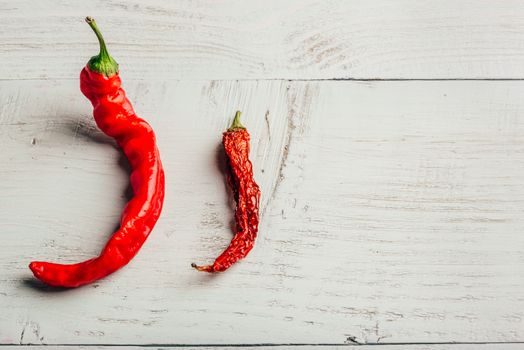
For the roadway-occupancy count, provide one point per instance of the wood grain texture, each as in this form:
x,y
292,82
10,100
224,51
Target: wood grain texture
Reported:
x,y
392,212
270,39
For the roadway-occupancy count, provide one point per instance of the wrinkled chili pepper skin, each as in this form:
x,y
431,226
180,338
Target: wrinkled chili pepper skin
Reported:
x,y
115,116
247,196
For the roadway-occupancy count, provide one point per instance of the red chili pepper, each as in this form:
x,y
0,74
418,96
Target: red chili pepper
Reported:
x,y
114,115
247,196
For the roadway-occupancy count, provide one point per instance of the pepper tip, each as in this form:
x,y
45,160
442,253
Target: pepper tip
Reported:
x,y
36,268
206,268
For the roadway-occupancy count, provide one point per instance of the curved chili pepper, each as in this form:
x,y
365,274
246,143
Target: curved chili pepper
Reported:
x,y
247,196
114,115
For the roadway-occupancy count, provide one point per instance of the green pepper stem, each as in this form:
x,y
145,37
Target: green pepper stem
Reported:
x,y
236,123
102,63
101,41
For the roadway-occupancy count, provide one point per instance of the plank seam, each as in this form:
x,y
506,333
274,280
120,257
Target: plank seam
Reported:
x,y
266,344
281,79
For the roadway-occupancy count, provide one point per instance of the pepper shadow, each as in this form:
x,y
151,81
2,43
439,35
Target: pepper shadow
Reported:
x,y
84,128
222,166
35,284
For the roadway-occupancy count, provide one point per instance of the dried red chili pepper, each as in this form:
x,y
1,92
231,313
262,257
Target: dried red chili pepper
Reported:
x,y
247,196
114,115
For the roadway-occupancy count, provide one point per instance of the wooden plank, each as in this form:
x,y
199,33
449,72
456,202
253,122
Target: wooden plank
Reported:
x,y
392,212
292,347
297,39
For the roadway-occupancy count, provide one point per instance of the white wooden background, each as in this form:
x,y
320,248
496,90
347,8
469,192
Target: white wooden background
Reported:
x,y
388,140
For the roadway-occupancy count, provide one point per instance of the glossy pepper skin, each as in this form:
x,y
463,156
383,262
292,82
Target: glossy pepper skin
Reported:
x,y
114,115
247,196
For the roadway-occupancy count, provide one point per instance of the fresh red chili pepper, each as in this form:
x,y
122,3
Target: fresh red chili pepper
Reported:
x,y
114,115
247,196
